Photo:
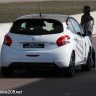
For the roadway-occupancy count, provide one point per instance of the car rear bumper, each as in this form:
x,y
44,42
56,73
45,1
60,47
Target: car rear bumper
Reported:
x,y
59,57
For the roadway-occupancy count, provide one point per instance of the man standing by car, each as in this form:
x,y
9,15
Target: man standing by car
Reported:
x,y
87,22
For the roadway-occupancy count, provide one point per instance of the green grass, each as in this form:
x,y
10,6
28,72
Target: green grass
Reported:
x,y
10,11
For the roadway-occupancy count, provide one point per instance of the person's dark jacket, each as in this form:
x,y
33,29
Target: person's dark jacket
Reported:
x,y
87,22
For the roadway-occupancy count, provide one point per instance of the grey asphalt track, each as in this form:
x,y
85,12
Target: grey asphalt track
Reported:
x,y
47,83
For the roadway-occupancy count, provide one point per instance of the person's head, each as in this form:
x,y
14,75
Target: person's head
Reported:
x,y
86,9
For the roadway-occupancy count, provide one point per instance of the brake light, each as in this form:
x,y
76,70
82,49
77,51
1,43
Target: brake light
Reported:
x,y
63,40
7,40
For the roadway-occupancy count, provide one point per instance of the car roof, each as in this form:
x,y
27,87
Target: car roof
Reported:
x,y
59,17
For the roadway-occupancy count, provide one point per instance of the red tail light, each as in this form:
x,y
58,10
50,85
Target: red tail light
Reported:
x,y
7,40
63,40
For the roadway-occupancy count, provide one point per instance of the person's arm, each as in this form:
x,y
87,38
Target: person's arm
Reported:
x,y
81,21
90,25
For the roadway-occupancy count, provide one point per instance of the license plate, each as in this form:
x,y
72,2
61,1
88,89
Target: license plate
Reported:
x,y
33,45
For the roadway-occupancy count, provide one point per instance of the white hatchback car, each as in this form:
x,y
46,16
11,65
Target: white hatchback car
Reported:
x,y
56,41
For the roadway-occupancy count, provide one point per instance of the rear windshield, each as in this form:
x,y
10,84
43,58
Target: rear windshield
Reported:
x,y
36,27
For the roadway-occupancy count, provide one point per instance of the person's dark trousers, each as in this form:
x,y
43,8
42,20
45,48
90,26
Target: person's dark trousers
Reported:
x,y
93,57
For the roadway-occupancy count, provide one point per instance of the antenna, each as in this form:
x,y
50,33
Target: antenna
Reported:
x,y
58,6
39,8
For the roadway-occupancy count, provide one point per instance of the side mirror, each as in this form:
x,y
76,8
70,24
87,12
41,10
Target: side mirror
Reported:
x,y
87,33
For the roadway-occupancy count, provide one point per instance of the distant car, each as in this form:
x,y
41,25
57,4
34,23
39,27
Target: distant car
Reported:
x,y
56,41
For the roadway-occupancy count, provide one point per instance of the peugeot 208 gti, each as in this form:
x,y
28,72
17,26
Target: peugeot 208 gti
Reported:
x,y
45,41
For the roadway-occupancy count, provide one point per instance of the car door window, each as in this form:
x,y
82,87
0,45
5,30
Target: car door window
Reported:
x,y
70,26
75,25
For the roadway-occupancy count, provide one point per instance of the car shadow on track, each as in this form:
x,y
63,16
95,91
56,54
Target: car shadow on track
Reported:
x,y
43,73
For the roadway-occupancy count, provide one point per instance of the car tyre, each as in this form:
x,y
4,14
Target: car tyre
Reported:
x,y
7,72
69,72
87,67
